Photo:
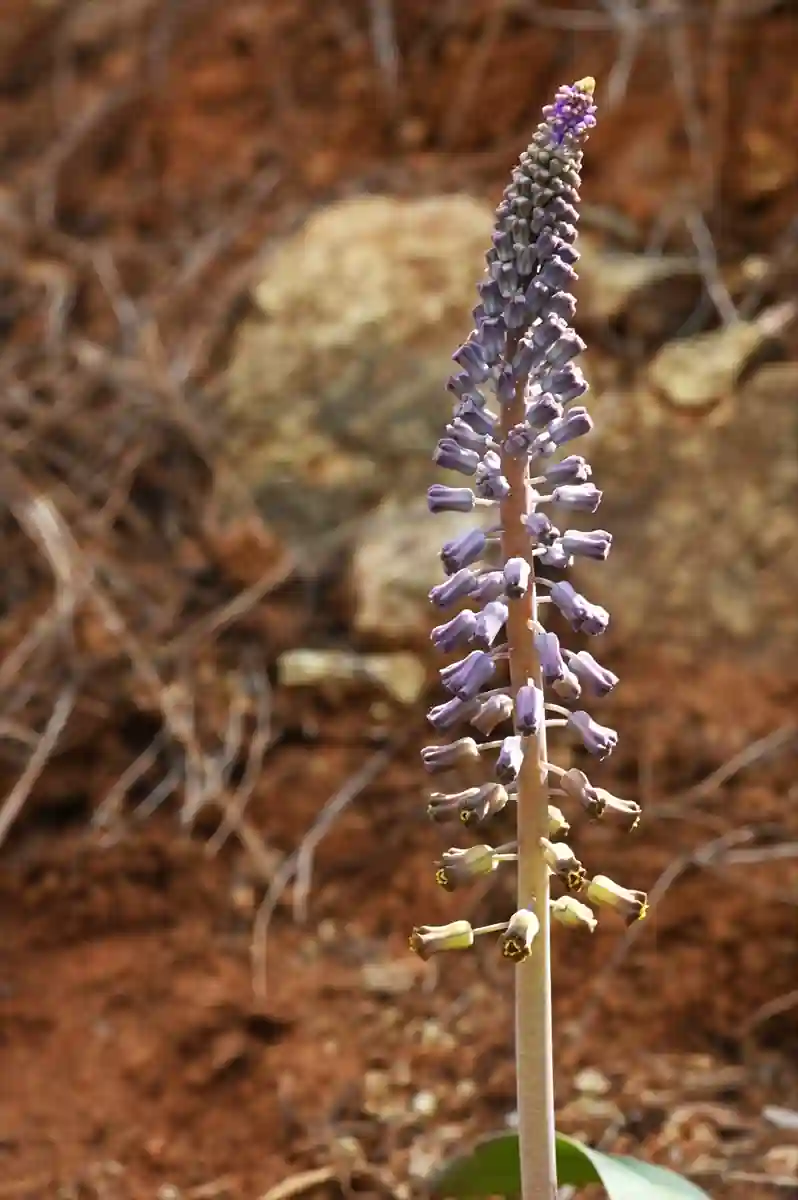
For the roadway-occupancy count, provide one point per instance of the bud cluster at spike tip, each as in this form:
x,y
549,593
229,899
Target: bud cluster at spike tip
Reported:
x,y
522,353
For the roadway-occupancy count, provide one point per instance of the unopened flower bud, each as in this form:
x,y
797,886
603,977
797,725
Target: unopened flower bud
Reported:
x,y
452,457
567,910
510,759
563,863
568,687
540,529
577,785
449,499
463,551
517,572
558,826
441,758
489,624
574,424
516,941
529,709
491,713
427,940
580,497
595,543
491,586
552,663
458,868
630,904
573,469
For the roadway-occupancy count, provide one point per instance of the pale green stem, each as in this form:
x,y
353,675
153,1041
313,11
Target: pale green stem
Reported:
x,y
533,1027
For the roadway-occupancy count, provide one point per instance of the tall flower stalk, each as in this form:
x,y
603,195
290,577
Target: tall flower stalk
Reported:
x,y
516,681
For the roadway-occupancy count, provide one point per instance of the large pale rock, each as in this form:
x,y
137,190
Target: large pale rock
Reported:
x,y
703,506
336,389
337,397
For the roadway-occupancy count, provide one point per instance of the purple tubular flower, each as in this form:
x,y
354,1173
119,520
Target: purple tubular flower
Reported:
x,y
554,556
505,386
593,544
563,350
453,589
515,314
490,483
566,381
519,441
467,437
493,487
517,573
452,457
481,419
463,551
542,411
597,739
510,759
558,275
489,587
572,114
540,529
573,425
595,678
452,712
552,663
581,497
455,633
449,499
573,469
529,709
492,336
469,676
489,624
469,358
459,384
580,614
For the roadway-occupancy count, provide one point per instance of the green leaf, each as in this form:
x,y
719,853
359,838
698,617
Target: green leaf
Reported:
x,y
623,1178
492,1169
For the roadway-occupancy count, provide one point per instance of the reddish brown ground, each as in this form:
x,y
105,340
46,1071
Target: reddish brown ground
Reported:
x,y
135,1060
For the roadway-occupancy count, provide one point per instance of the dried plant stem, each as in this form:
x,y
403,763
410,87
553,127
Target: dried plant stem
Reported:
x,y
533,1035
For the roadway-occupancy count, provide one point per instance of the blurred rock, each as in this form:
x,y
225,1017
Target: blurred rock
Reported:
x,y
647,297
337,397
401,676
336,389
395,562
703,507
703,369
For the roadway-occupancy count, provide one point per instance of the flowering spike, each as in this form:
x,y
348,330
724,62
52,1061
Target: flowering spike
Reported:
x,y
524,350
